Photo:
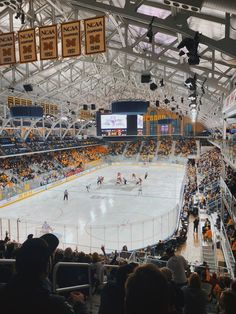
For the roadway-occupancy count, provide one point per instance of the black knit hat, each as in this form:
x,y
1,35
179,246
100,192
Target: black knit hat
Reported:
x,y
33,257
51,240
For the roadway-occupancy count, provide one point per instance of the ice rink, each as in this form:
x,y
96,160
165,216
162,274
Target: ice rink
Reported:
x,y
111,214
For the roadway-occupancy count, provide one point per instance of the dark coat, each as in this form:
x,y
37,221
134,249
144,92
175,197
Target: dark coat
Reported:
x,y
27,296
195,301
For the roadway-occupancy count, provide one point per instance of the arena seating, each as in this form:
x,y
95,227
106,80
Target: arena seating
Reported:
x,y
116,148
13,146
148,151
185,147
133,149
46,167
165,147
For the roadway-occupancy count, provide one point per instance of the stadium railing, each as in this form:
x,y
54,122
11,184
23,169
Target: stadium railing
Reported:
x,y
106,267
135,235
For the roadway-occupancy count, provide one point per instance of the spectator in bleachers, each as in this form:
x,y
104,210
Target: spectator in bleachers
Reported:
x,y
228,300
176,293
185,147
147,291
29,290
113,293
133,149
195,298
178,265
116,148
165,147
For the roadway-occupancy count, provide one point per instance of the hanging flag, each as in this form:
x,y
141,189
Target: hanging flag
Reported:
x,y
48,42
27,45
70,39
7,48
95,39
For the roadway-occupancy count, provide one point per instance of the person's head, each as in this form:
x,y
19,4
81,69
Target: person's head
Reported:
x,y
146,289
68,253
195,281
95,257
122,273
167,273
228,301
214,276
32,259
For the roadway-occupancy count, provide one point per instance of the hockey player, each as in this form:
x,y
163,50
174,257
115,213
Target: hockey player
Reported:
x,y
66,195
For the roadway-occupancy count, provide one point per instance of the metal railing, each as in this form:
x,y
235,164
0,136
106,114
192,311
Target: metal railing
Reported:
x,y
227,250
89,238
147,259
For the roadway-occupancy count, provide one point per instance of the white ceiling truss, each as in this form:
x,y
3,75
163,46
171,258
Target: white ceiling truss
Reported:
x,y
114,75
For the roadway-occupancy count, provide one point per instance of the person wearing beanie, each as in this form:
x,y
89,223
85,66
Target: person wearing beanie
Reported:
x,y
28,291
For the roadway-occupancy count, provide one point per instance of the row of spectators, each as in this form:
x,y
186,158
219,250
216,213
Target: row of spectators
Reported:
x,y
15,145
148,150
133,149
131,288
116,148
185,147
165,147
210,166
20,169
230,179
230,227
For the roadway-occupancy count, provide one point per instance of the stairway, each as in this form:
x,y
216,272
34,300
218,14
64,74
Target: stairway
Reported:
x,y
156,154
125,150
172,153
198,148
208,255
140,149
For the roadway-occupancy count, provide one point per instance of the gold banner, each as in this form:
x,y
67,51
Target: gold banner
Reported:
x,y
70,39
95,39
27,45
7,48
48,42
85,115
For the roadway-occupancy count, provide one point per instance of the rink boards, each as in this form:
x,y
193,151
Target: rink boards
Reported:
x,y
110,215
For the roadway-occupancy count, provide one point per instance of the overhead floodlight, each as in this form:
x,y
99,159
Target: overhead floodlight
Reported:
x,y
191,83
192,97
193,105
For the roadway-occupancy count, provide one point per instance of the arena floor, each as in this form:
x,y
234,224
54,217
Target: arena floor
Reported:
x,y
110,215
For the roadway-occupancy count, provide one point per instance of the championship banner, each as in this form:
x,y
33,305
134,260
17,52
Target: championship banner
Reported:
x,y
48,42
27,45
70,39
95,41
7,49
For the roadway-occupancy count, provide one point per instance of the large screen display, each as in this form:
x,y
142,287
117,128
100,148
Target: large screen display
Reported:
x,y
113,121
140,121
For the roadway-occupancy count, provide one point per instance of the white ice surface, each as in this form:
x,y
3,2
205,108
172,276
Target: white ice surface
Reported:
x,y
111,215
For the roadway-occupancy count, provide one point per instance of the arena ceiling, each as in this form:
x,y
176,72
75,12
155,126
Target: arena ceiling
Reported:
x,y
102,78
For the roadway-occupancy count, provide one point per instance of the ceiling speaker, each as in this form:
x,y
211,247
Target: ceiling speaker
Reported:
x,y
145,78
28,87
